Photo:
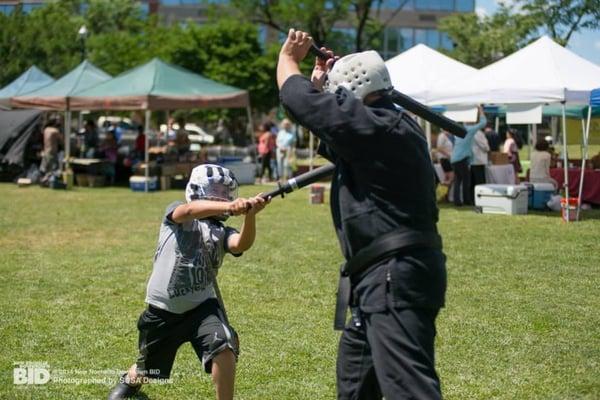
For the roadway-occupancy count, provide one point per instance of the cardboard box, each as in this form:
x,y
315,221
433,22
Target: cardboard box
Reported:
x,y
183,168
498,158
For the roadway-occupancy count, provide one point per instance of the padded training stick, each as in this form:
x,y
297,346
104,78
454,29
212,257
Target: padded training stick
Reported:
x,y
300,181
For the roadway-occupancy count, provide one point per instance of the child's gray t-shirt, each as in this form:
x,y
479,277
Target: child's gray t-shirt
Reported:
x,y
187,258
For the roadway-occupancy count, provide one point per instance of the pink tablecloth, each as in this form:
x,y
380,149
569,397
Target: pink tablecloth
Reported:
x,y
591,183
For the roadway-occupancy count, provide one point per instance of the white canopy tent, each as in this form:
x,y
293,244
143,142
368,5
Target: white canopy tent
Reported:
x,y
542,72
420,70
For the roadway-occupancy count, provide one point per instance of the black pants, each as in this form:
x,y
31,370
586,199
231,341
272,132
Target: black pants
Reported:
x,y
477,176
462,183
391,352
391,356
265,164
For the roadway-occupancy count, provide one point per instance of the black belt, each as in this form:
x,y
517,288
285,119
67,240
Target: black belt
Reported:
x,y
378,250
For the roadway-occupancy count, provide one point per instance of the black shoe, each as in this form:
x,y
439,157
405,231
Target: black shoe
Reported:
x,y
123,390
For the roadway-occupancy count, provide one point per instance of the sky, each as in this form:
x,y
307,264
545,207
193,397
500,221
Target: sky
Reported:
x,y
584,43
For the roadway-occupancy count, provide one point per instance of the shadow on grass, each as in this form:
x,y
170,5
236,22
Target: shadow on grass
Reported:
x,y
141,396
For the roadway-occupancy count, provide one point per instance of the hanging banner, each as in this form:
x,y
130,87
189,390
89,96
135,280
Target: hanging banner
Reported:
x,y
523,114
458,113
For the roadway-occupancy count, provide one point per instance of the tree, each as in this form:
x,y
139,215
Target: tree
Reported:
x,y
46,37
481,41
562,18
230,53
329,22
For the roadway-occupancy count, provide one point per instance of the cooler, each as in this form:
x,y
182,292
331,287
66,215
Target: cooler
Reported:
x,y
501,199
138,183
541,194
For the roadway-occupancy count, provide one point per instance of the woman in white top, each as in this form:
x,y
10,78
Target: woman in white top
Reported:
x,y
539,168
444,146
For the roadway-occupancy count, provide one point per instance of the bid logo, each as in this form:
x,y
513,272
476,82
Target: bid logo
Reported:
x,y
31,374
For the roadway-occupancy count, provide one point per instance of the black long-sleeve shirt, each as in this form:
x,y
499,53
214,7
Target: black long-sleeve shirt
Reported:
x,y
384,179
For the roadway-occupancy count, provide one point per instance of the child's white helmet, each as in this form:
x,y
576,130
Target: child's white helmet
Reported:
x,y
360,73
211,182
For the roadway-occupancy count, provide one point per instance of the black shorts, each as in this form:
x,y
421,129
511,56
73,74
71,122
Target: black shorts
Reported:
x,y
162,332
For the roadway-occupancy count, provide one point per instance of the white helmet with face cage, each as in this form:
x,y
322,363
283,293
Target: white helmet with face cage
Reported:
x,y
360,73
211,182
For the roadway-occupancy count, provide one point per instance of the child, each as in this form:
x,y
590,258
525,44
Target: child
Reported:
x,y
182,296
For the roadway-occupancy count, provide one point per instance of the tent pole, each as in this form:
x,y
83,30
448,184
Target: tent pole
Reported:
x,y
146,155
497,124
250,130
565,159
529,141
584,155
67,138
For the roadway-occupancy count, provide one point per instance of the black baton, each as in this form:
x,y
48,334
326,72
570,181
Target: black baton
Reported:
x,y
300,181
412,105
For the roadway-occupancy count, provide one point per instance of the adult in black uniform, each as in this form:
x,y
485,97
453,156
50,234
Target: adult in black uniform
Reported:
x,y
383,184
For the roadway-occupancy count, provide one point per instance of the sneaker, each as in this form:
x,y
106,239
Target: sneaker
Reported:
x,y
123,390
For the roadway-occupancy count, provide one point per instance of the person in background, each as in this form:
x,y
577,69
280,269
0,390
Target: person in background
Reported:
x,y
493,138
539,168
182,140
461,156
109,149
266,146
90,140
52,140
479,160
512,144
444,146
140,144
272,127
171,132
286,141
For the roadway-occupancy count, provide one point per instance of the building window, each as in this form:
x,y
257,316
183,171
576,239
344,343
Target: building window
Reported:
x,y
465,5
29,7
395,4
432,38
406,39
446,42
7,8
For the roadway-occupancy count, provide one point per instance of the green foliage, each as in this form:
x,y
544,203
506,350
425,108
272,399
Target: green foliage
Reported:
x,y
562,18
47,37
229,52
315,16
479,42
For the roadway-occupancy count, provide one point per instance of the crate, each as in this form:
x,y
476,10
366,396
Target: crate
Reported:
x,y
498,158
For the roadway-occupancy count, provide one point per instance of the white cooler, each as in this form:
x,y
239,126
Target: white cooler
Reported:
x,y
502,199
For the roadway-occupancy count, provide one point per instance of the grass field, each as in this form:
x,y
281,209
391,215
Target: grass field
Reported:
x,y
521,322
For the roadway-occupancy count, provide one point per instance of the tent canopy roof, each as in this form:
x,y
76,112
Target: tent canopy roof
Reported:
x,y
55,96
542,72
420,70
157,85
30,80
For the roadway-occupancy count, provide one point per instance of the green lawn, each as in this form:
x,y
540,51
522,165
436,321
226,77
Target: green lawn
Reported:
x,y
522,317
